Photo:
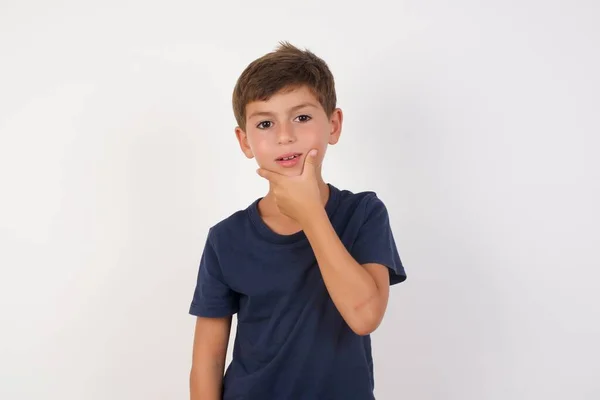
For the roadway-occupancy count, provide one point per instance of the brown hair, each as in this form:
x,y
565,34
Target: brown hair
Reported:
x,y
285,68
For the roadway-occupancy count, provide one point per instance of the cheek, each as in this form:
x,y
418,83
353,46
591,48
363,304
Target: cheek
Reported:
x,y
260,148
318,141
312,135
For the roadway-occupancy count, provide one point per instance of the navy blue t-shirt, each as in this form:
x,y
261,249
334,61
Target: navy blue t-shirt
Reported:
x,y
291,341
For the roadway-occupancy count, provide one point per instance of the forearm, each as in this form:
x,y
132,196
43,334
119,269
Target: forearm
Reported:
x,y
206,380
352,289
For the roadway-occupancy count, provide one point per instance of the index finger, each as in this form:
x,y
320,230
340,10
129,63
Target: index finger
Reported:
x,y
269,175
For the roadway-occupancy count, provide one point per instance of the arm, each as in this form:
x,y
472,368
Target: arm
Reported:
x,y
360,292
211,339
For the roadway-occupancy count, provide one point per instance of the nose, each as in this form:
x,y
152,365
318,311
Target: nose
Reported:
x,y
285,134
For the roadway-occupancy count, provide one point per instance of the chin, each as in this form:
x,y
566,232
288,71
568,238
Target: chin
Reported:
x,y
291,171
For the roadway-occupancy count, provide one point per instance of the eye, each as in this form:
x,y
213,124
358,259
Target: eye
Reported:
x,y
264,125
304,118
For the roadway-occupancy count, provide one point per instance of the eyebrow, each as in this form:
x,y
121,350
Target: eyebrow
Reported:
x,y
270,114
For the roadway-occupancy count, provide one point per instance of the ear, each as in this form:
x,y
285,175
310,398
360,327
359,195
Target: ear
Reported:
x,y
335,122
242,138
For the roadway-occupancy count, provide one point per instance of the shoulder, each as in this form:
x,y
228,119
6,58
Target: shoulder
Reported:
x,y
366,203
230,228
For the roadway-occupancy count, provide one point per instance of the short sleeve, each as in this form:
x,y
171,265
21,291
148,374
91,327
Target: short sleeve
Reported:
x,y
212,296
375,242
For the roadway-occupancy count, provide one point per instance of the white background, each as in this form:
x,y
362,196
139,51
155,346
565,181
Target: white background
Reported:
x,y
476,122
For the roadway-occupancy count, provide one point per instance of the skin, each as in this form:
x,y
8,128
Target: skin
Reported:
x,y
211,339
295,122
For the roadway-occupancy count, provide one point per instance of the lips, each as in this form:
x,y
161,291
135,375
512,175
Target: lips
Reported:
x,y
288,156
289,160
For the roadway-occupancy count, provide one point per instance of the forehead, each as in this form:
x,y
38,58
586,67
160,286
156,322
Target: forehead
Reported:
x,y
283,101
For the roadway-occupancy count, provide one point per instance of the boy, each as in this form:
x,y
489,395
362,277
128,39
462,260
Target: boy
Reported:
x,y
307,268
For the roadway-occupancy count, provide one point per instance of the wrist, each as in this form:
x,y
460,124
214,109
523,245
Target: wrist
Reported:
x,y
314,217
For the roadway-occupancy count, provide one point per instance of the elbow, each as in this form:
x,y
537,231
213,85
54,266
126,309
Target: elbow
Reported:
x,y
364,318
362,331
364,328
365,323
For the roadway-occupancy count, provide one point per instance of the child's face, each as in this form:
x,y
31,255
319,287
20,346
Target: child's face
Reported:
x,y
289,123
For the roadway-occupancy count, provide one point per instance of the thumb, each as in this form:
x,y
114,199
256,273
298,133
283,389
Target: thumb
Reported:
x,y
310,162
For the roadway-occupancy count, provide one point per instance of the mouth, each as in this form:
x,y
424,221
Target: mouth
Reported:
x,y
288,160
288,157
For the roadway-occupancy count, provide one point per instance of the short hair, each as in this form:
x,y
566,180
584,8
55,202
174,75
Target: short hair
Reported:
x,y
285,68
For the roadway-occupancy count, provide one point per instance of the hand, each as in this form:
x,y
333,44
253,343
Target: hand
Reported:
x,y
298,197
